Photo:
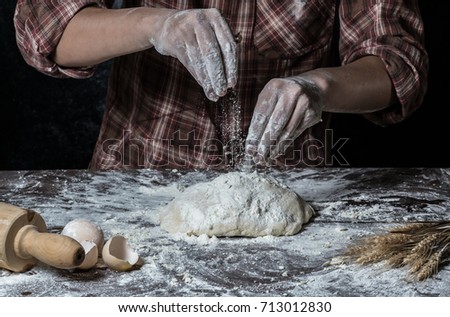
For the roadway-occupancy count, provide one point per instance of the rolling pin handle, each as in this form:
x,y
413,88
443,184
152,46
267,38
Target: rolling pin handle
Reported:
x,y
55,250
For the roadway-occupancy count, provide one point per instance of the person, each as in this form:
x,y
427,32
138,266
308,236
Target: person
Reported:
x,y
194,83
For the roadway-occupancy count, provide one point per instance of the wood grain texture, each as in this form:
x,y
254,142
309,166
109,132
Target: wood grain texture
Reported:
x,y
24,241
12,220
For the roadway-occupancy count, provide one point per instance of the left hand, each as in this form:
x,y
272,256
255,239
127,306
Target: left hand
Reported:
x,y
285,108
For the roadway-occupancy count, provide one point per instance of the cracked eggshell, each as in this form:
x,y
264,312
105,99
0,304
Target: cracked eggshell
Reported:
x,y
91,257
84,230
118,255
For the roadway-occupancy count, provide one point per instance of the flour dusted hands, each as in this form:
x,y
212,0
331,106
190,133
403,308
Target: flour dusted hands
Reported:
x,y
285,108
202,41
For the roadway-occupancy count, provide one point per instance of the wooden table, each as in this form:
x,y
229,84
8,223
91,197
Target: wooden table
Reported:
x,y
350,203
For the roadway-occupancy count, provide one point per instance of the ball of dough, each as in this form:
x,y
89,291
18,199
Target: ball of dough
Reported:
x,y
237,204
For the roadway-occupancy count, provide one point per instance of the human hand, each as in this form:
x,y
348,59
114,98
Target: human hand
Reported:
x,y
285,108
202,41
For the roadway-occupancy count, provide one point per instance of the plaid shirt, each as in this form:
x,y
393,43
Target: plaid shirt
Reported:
x,y
157,115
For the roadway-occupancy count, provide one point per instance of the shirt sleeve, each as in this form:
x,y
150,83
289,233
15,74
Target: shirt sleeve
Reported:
x,y
393,31
39,26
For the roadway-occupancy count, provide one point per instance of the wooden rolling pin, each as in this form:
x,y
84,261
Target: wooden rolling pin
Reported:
x,y
24,241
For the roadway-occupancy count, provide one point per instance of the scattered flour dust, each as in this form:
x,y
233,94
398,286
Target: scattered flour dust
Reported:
x,y
237,204
186,265
172,189
202,239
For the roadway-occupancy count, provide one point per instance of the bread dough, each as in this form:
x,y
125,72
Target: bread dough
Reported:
x,y
237,204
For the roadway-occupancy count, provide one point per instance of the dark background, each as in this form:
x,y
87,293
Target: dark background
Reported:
x,y
48,123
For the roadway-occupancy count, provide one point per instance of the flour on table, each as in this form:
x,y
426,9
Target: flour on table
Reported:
x,y
237,204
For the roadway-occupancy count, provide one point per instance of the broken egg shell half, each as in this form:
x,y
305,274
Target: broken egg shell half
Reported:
x,y
84,230
118,255
91,257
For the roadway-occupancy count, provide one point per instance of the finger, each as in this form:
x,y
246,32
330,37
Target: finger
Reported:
x,y
228,48
280,117
192,61
263,110
294,127
211,57
306,115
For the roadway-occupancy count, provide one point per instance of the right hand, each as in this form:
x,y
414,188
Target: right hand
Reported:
x,y
202,41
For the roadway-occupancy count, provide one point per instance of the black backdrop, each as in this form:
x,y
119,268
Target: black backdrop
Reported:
x,y
48,123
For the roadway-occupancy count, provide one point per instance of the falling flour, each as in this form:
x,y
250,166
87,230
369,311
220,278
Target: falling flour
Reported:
x,y
237,204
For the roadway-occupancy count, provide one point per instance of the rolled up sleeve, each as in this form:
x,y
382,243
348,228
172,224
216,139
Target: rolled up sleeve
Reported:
x,y
393,31
39,26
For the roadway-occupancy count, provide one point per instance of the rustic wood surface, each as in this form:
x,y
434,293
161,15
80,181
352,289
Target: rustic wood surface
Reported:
x,y
350,203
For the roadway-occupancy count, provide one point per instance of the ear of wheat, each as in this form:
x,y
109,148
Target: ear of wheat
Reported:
x,y
422,247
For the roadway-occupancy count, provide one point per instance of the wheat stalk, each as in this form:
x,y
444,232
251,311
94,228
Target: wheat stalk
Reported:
x,y
431,266
420,246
